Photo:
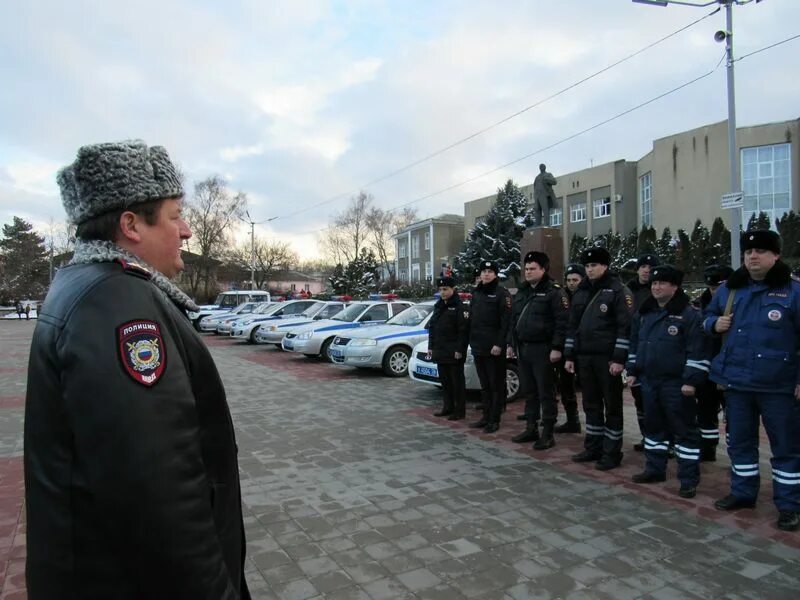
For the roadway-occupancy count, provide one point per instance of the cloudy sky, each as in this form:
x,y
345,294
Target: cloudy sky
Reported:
x,y
302,103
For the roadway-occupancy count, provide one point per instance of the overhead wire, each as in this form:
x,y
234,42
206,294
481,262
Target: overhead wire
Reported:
x,y
503,120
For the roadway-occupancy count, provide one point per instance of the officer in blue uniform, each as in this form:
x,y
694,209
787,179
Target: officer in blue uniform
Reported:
x,y
670,358
757,313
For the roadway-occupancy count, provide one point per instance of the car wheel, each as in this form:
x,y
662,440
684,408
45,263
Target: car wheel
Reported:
x,y
310,355
323,351
196,323
252,338
395,361
512,382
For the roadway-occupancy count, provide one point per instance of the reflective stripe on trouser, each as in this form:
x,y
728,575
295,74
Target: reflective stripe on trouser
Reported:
x,y
602,403
780,414
671,415
709,400
492,374
536,379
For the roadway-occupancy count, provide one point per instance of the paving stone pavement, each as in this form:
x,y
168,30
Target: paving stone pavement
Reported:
x,y
352,490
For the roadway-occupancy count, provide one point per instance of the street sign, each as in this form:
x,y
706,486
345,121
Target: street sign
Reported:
x,y
733,200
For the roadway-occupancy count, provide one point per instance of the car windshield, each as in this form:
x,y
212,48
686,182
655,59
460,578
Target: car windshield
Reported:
x,y
240,308
312,310
266,308
350,313
413,315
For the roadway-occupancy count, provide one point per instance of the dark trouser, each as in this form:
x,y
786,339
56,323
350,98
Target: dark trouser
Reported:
x,y
602,404
451,376
669,415
638,402
709,401
566,390
781,416
492,375
536,382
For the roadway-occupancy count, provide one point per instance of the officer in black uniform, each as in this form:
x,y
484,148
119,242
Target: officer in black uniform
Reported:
x,y
489,317
640,288
574,274
539,315
709,397
448,334
598,339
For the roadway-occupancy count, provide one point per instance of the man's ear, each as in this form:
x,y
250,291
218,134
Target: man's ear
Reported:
x,y
129,226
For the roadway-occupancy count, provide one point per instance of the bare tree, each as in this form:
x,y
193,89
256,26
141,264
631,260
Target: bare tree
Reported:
x,y
269,258
382,225
211,215
348,233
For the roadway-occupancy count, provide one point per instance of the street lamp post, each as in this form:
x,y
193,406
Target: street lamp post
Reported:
x,y
733,159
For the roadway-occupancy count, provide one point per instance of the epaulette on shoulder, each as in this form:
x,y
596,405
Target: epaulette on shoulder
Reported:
x,y
134,269
557,286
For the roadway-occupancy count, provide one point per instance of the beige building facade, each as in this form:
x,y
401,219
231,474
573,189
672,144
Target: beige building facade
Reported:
x,y
680,180
422,247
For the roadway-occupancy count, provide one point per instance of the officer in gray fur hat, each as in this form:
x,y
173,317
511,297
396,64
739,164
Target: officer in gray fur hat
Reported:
x,y
132,485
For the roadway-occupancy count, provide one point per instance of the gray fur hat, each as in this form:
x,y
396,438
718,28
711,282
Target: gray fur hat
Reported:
x,y
113,176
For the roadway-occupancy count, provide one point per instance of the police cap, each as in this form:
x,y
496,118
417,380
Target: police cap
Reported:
x,y
596,254
540,258
575,268
667,273
716,274
647,259
760,239
445,282
489,264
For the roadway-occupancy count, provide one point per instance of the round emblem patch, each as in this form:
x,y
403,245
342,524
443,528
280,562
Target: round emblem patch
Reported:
x,y
774,315
672,330
603,308
141,350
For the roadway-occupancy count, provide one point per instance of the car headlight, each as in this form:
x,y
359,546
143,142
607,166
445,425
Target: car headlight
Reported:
x,y
243,323
363,342
192,315
306,335
270,328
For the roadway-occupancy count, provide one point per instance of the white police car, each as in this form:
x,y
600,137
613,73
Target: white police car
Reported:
x,y
421,369
210,323
314,339
225,302
273,332
386,347
246,328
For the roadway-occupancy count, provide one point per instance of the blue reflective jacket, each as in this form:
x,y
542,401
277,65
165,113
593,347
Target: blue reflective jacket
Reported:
x,y
668,344
759,353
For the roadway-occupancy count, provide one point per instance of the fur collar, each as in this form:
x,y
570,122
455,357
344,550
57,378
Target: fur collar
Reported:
x,y
604,281
489,288
675,306
97,251
705,298
544,284
778,276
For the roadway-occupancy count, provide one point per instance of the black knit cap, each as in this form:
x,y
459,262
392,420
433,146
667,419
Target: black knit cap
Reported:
x,y
647,259
667,273
446,282
489,264
760,239
596,254
575,268
540,258
716,274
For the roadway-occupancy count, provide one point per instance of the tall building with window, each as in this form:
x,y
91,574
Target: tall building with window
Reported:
x,y
680,180
422,247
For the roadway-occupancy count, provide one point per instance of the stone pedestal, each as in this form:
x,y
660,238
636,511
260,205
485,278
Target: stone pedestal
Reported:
x,y
547,240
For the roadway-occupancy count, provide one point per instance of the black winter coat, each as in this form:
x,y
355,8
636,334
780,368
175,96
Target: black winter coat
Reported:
x,y
131,474
600,319
448,330
640,291
489,317
539,314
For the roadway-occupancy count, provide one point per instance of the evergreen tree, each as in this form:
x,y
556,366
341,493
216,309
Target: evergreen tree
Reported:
x,y
497,236
719,242
684,254
646,241
361,274
789,228
667,247
760,221
337,280
702,252
25,269
577,245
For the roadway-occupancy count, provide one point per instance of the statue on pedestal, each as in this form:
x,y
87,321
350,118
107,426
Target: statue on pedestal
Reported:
x,y
543,196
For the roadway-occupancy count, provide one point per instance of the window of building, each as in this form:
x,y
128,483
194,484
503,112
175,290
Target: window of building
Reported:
x,y
427,240
307,287
403,274
602,208
428,271
401,250
415,272
415,247
294,287
766,181
577,212
646,199
555,217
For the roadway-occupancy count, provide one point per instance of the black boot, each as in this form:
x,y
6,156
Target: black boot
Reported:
x,y
482,422
531,434
708,454
547,440
573,425
445,412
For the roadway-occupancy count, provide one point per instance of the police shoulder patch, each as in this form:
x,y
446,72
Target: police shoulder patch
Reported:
x,y
628,300
142,351
564,302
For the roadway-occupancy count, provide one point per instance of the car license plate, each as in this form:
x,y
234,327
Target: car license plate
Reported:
x,y
288,344
336,352
431,372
